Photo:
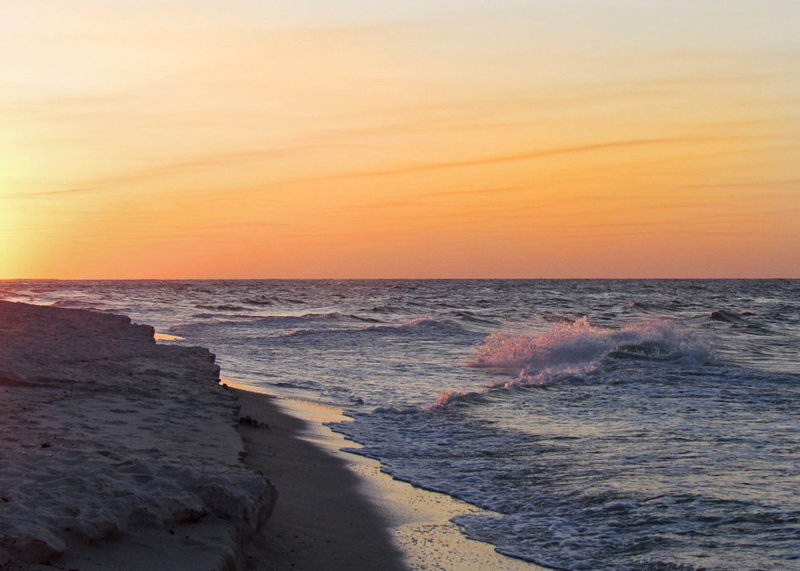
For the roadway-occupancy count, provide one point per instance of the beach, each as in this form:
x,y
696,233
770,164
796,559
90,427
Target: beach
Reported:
x,y
338,511
591,420
119,452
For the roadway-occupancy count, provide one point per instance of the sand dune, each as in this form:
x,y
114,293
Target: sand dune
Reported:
x,y
117,452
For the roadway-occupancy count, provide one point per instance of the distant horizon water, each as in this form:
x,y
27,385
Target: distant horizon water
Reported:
x,y
384,279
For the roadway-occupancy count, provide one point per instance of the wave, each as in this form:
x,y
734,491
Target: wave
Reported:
x,y
579,344
329,326
222,307
387,308
664,307
727,316
740,320
470,317
556,318
428,322
293,319
313,319
365,319
421,325
448,398
299,332
570,351
272,300
204,316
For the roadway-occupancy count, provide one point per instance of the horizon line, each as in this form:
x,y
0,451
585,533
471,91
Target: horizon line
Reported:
x,y
210,279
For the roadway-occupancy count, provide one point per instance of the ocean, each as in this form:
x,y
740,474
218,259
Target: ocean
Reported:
x,y
607,424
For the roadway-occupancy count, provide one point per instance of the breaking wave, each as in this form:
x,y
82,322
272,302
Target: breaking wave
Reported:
x,y
577,346
571,350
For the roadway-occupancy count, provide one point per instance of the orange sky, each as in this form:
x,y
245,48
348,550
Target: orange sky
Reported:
x,y
243,139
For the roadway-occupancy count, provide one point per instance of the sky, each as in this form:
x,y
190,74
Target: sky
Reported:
x,y
399,139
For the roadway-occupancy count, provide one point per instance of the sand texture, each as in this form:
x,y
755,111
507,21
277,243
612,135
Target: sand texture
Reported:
x,y
337,511
117,452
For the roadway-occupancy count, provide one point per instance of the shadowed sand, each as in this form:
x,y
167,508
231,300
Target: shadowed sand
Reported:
x,y
121,453
338,511
117,452
320,521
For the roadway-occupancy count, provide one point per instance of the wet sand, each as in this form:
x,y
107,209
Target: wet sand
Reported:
x,y
338,511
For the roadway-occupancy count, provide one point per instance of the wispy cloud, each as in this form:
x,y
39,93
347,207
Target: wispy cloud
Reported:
x,y
531,155
56,192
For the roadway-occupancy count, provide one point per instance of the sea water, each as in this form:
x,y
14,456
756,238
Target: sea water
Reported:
x,y
607,424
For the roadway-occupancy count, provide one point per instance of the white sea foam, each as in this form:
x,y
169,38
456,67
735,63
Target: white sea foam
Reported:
x,y
575,348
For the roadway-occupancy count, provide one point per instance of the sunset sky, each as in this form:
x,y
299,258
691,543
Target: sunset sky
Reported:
x,y
302,139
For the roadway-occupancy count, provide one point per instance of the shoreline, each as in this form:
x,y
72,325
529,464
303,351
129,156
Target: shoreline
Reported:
x,y
337,510
120,452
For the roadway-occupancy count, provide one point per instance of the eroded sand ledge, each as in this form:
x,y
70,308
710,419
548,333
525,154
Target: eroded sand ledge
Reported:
x,y
116,452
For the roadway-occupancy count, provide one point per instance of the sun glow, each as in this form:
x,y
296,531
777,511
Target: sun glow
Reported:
x,y
525,140
9,250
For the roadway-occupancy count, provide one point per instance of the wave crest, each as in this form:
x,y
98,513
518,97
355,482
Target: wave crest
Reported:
x,y
447,398
420,325
576,348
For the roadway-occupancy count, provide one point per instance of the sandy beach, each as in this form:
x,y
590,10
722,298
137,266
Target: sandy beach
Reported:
x,y
118,452
337,510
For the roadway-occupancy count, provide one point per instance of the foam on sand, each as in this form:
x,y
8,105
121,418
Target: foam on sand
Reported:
x,y
117,452
339,511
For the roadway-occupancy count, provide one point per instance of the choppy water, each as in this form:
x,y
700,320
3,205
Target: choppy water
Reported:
x,y
609,424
